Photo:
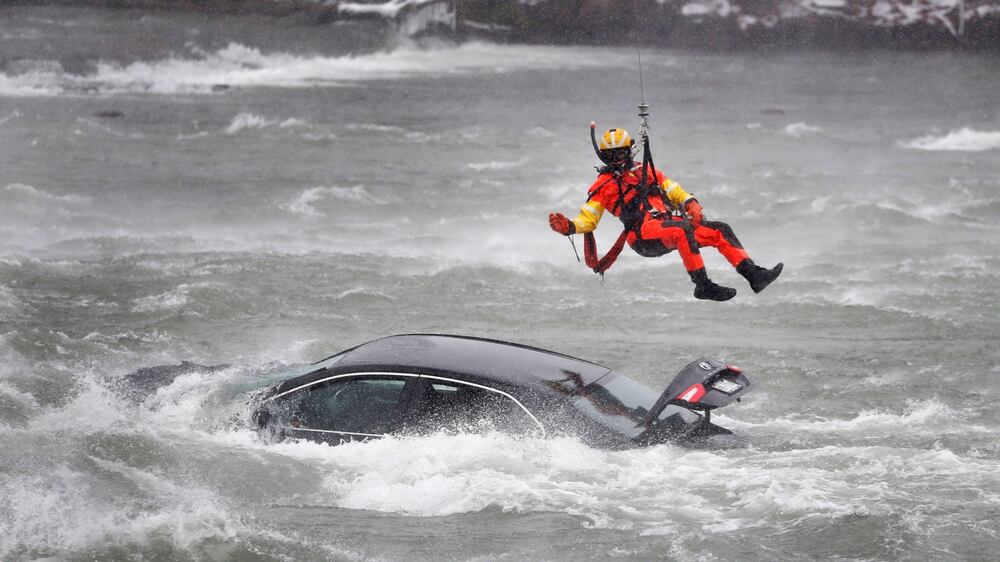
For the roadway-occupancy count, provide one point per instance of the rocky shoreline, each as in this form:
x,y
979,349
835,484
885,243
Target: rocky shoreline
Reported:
x,y
696,24
739,24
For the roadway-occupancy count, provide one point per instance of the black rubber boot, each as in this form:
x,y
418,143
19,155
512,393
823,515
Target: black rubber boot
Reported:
x,y
705,289
759,277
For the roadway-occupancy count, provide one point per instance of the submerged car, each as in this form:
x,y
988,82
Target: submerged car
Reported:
x,y
421,383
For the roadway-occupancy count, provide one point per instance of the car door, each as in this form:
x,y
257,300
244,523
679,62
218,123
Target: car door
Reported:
x,y
344,407
445,405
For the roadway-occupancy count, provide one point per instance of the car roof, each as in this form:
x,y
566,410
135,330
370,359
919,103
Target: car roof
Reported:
x,y
472,358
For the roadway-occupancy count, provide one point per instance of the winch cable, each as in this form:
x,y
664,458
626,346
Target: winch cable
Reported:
x,y
647,155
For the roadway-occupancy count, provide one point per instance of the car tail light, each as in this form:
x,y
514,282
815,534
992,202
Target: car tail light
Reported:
x,y
692,394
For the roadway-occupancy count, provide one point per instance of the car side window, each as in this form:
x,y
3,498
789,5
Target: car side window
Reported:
x,y
454,407
366,405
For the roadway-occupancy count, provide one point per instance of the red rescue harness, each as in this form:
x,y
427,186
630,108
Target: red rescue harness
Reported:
x,y
631,211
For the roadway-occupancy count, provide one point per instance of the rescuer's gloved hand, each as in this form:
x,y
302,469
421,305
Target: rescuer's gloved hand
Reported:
x,y
694,211
561,224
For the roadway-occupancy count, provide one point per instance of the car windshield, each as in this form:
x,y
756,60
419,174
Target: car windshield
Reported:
x,y
620,403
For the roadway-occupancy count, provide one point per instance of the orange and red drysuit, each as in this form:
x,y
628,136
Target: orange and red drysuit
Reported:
x,y
656,228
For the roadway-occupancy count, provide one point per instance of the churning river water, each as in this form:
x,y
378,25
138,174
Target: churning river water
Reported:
x,y
260,193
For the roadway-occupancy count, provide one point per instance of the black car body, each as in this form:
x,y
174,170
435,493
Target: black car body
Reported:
x,y
419,383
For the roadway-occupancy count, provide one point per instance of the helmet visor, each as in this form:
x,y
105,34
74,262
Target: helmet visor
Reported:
x,y
618,155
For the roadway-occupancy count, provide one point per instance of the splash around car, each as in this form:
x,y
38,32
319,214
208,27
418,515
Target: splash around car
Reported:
x,y
426,383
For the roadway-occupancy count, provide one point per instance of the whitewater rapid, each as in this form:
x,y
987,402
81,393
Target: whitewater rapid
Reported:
x,y
261,193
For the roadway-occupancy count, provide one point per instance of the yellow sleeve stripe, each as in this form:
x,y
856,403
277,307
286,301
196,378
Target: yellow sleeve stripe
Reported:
x,y
592,208
590,215
675,193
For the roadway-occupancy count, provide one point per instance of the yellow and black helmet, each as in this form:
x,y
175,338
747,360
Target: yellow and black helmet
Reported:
x,y
616,148
615,138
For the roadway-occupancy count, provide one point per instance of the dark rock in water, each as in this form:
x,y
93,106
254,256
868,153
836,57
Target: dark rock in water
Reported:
x,y
773,111
220,87
137,385
109,114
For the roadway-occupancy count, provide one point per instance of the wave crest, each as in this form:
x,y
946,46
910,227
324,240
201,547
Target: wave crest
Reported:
x,y
964,139
797,130
247,121
304,203
238,65
496,165
28,194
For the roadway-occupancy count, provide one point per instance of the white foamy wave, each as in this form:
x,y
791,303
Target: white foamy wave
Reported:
x,y
964,139
927,211
496,165
92,409
171,300
18,397
565,194
183,403
375,127
95,125
799,129
541,132
319,137
27,193
303,204
292,122
58,510
13,115
726,190
362,292
30,78
125,336
8,299
240,66
442,475
919,417
418,136
248,121
192,136
26,212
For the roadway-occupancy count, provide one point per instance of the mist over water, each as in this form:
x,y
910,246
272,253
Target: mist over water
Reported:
x,y
262,194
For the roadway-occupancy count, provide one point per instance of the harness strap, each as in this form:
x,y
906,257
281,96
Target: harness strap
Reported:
x,y
600,265
640,200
